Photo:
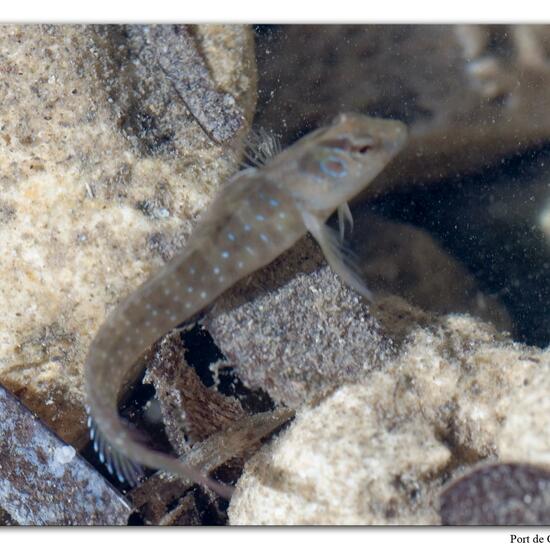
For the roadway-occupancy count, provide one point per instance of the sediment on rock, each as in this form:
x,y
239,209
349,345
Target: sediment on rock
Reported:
x,y
380,450
99,187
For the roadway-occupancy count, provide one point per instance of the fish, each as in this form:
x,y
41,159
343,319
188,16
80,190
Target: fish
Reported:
x,y
259,213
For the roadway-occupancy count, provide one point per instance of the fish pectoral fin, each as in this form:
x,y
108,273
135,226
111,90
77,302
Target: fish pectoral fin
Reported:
x,y
339,257
344,215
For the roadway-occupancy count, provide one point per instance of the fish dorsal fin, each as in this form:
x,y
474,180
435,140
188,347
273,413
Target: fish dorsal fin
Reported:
x,y
261,146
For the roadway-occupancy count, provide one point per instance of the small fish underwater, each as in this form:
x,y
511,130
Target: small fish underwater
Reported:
x,y
258,214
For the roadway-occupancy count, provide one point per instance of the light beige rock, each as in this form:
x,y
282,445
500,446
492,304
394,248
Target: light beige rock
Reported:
x,y
85,213
525,435
340,463
379,451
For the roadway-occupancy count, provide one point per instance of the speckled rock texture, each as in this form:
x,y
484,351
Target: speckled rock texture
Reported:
x,y
469,93
379,451
294,330
298,351
45,482
103,171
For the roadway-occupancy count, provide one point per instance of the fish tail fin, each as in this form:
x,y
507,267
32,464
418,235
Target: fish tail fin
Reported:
x,y
115,448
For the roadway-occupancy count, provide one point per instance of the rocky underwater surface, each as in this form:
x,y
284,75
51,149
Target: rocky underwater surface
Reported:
x,y
426,407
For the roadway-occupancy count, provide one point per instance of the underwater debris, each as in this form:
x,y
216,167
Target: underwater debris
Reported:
x,y
163,492
191,412
44,482
498,494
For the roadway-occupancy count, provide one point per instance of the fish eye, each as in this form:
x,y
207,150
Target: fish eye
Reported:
x,y
333,166
365,148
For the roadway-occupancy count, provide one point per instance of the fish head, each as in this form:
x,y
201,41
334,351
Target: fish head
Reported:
x,y
339,161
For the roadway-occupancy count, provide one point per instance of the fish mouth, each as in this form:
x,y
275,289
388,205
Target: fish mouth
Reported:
x,y
393,133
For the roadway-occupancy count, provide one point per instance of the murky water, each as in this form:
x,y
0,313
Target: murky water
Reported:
x,y
476,174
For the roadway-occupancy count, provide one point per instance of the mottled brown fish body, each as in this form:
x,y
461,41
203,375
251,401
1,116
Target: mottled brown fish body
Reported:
x,y
259,214
243,230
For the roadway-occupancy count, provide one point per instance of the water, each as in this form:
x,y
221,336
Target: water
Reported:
x,y
476,175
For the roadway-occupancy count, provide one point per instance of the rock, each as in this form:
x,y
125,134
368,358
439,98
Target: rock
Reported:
x,y
499,494
45,482
333,466
525,435
301,340
378,451
299,335
403,260
98,189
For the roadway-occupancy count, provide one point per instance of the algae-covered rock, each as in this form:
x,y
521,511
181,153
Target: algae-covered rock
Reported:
x,y
380,450
98,187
